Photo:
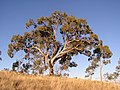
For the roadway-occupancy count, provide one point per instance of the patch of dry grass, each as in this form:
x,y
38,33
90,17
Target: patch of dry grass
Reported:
x,y
16,81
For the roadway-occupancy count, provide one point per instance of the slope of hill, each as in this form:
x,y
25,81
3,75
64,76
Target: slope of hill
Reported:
x,y
17,81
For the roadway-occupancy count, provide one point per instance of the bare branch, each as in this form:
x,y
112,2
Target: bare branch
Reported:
x,y
39,50
46,58
64,51
55,51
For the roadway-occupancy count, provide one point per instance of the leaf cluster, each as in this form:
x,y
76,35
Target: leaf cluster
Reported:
x,y
115,74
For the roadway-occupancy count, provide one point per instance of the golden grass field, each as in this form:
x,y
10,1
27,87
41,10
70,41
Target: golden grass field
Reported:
x,y
16,81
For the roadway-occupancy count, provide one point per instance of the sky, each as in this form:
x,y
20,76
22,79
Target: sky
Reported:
x,y
103,16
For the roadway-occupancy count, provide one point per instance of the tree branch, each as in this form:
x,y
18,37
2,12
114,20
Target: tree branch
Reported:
x,y
61,52
55,51
39,50
46,58
64,51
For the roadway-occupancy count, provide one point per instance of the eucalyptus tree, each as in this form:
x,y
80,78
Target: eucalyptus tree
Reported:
x,y
100,56
55,38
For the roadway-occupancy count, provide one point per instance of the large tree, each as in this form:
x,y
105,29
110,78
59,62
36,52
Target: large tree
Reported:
x,y
55,38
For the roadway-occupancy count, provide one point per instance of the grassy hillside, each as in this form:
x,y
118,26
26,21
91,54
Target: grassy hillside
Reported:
x,y
15,81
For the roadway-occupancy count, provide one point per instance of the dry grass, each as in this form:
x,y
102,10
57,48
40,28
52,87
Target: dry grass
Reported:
x,y
15,81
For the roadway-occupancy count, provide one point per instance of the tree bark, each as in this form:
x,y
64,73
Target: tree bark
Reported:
x,y
50,66
51,71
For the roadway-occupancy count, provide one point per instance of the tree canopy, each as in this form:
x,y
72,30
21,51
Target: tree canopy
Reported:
x,y
57,38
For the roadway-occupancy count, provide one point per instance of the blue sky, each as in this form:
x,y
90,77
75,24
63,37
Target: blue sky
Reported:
x,y
103,16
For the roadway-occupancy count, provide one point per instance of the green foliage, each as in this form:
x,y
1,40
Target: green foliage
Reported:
x,y
115,75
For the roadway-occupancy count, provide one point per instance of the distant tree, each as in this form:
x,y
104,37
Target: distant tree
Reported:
x,y
38,67
6,69
61,71
115,75
20,66
100,57
55,38
15,65
58,71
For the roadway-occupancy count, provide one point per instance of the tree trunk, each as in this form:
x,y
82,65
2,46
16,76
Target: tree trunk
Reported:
x,y
51,71
50,66
101,64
